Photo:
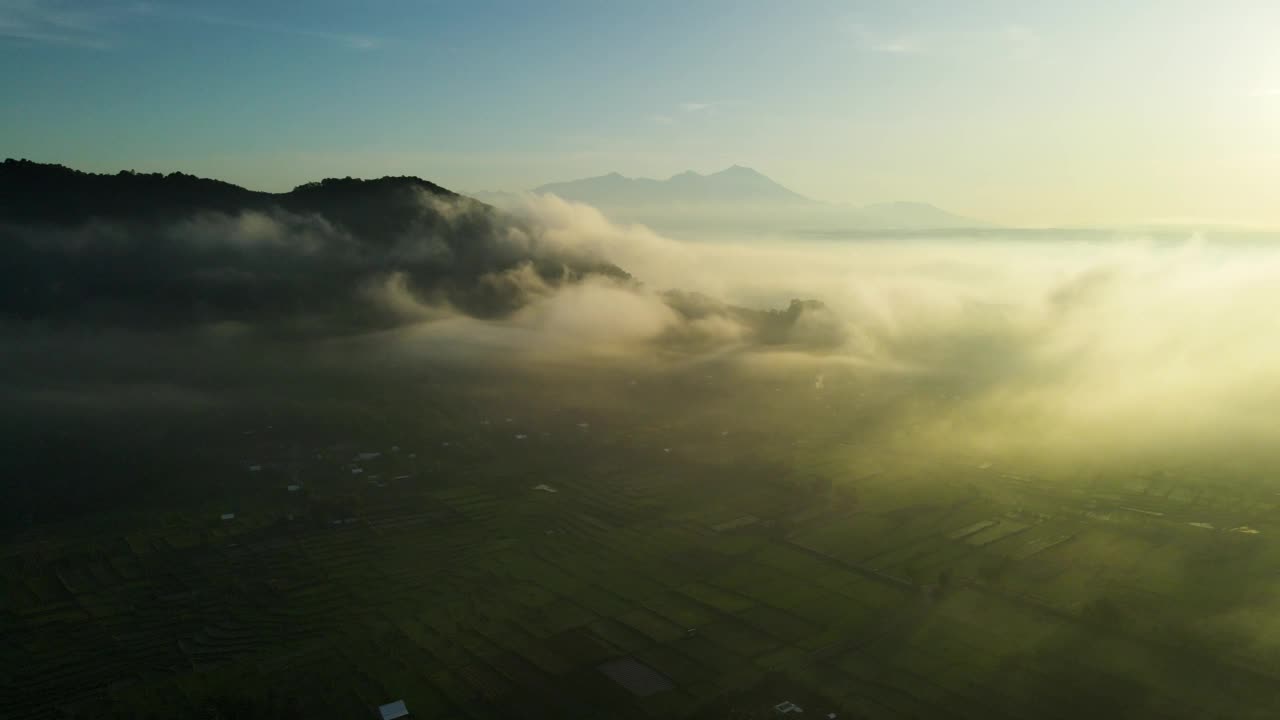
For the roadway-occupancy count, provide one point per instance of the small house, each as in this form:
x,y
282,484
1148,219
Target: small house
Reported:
x,y
393,710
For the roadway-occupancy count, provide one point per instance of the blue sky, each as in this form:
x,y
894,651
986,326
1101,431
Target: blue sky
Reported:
x,y
1015,111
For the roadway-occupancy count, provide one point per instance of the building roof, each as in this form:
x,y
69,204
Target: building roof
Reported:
x,y
394,710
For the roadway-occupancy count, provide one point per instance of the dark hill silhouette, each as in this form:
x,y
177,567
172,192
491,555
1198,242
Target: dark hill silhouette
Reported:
x,y
148,248
43,193
40,193
373,207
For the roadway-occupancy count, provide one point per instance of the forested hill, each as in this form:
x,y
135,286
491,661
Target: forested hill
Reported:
x,y
136,248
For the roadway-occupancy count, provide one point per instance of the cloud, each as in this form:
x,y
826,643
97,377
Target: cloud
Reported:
x,y
1142,349
1008,38
254,230
394,294
1022,40
685,108
53,23
871,40
352,41
95,26
899,46
347,40
1054,353
580,231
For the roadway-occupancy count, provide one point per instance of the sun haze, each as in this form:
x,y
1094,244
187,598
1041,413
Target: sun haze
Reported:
x,y
709,360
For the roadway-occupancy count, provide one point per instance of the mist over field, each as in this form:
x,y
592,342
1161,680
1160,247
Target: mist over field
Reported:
x,y
1112,349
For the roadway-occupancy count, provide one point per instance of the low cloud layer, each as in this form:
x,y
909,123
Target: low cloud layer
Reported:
x,y
1129,347
1126,349
1075,353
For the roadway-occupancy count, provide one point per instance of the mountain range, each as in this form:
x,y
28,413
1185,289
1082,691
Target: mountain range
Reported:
x,y
731,198
736,184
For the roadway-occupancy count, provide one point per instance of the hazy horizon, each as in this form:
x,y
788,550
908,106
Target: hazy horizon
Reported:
x,y
1018,113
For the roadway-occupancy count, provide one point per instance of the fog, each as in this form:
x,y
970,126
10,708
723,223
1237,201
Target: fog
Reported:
x,y
1121,349
1098,402
1126,347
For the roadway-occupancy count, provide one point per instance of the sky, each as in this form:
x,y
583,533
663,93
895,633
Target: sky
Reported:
x,y
1022,113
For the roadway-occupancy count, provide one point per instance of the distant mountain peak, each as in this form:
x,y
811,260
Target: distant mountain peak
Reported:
x,y
739,195
733,185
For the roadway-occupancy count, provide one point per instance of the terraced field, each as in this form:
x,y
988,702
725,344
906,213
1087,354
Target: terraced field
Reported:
x,y
661,570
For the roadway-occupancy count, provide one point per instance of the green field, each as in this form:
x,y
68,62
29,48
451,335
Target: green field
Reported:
x,y
896,587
